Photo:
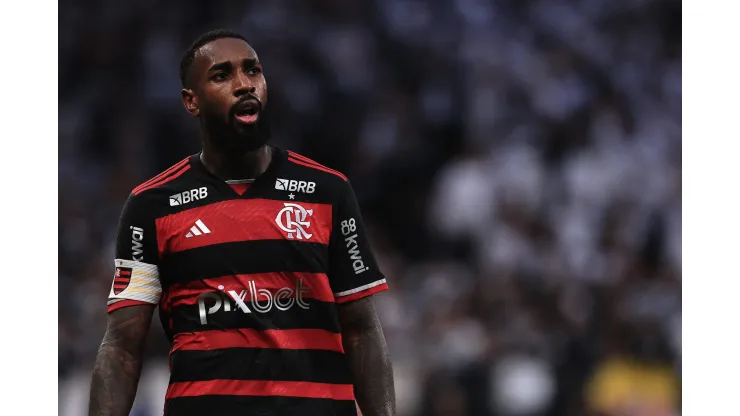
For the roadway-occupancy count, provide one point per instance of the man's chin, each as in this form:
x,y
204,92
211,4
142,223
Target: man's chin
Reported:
x,y
246,141
246,137
243,129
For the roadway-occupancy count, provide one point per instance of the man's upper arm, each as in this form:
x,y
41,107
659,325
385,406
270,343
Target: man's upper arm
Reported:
x,y
358,315
136,277
128,327
353,269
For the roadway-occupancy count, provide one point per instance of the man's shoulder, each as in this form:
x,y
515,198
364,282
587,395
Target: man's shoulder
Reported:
x,y
152,195
174,174
304,176
305,168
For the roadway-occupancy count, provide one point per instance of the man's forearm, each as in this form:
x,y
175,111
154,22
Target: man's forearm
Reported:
x,y
372,371
118,366
114,382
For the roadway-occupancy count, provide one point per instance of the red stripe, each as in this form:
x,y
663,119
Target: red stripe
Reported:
x,y
287,339
164,180
163,174
124,303
304,158
318,167
122,279
121,286
364,293
307,160
239,220
124,272
313,286
261,388
315,163
164,300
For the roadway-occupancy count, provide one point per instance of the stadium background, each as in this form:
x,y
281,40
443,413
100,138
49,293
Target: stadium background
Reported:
x,y
518,163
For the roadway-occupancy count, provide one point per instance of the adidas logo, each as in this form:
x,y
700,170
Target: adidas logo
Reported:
x,y
198,229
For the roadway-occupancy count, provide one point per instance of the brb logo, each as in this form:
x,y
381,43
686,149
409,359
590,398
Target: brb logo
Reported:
x,y
292,219
353,249
295,186
262,300
188,196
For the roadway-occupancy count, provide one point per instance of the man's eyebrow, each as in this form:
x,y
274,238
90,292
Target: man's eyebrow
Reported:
x,y
250,62
221,66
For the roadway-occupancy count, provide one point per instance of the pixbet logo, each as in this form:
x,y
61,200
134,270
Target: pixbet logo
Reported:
x,y
188,196
292,219
350,226
137,245
262,300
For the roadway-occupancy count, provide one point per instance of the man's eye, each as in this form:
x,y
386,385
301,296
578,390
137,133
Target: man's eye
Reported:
x,y
254,71
220,76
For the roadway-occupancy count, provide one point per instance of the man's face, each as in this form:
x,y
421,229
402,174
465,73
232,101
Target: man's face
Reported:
x,y
229,94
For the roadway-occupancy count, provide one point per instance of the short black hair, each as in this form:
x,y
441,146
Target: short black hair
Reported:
x,y
186,63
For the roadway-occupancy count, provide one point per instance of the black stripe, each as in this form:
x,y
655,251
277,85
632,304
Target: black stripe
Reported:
x,y
257,406
317,366
319,315
245,257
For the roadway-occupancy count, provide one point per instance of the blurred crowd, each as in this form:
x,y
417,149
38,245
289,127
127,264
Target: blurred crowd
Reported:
x,y
518,163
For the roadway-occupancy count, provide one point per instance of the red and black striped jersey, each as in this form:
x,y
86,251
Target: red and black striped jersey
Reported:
x,y
247,279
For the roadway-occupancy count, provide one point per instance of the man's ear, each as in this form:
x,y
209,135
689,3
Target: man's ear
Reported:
x,y
190,101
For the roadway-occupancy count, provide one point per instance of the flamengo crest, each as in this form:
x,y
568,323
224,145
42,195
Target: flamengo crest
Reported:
x,y
293,220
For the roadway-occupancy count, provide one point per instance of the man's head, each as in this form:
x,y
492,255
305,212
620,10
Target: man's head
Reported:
x,y
223,85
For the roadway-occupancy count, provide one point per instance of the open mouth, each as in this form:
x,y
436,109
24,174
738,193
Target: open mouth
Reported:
x,y
247,112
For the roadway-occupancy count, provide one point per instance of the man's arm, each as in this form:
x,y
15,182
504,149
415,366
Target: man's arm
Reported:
x,y
369,360
118,365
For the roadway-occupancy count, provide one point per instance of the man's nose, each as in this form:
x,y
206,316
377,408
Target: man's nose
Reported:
x,y
243,85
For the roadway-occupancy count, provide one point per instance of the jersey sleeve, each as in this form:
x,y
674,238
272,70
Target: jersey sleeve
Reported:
x,y
353,270
136,278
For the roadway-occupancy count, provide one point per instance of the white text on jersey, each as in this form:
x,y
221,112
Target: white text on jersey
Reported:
x,y
261,300
353,248
137,247
188,196
295,186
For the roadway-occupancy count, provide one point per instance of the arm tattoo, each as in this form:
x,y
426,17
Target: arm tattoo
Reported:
x,y
369,360
118,365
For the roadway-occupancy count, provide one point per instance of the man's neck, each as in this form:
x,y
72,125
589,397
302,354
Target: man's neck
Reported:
x,y
234,166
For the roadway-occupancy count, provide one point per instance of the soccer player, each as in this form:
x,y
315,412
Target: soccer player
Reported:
x,y
258,262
